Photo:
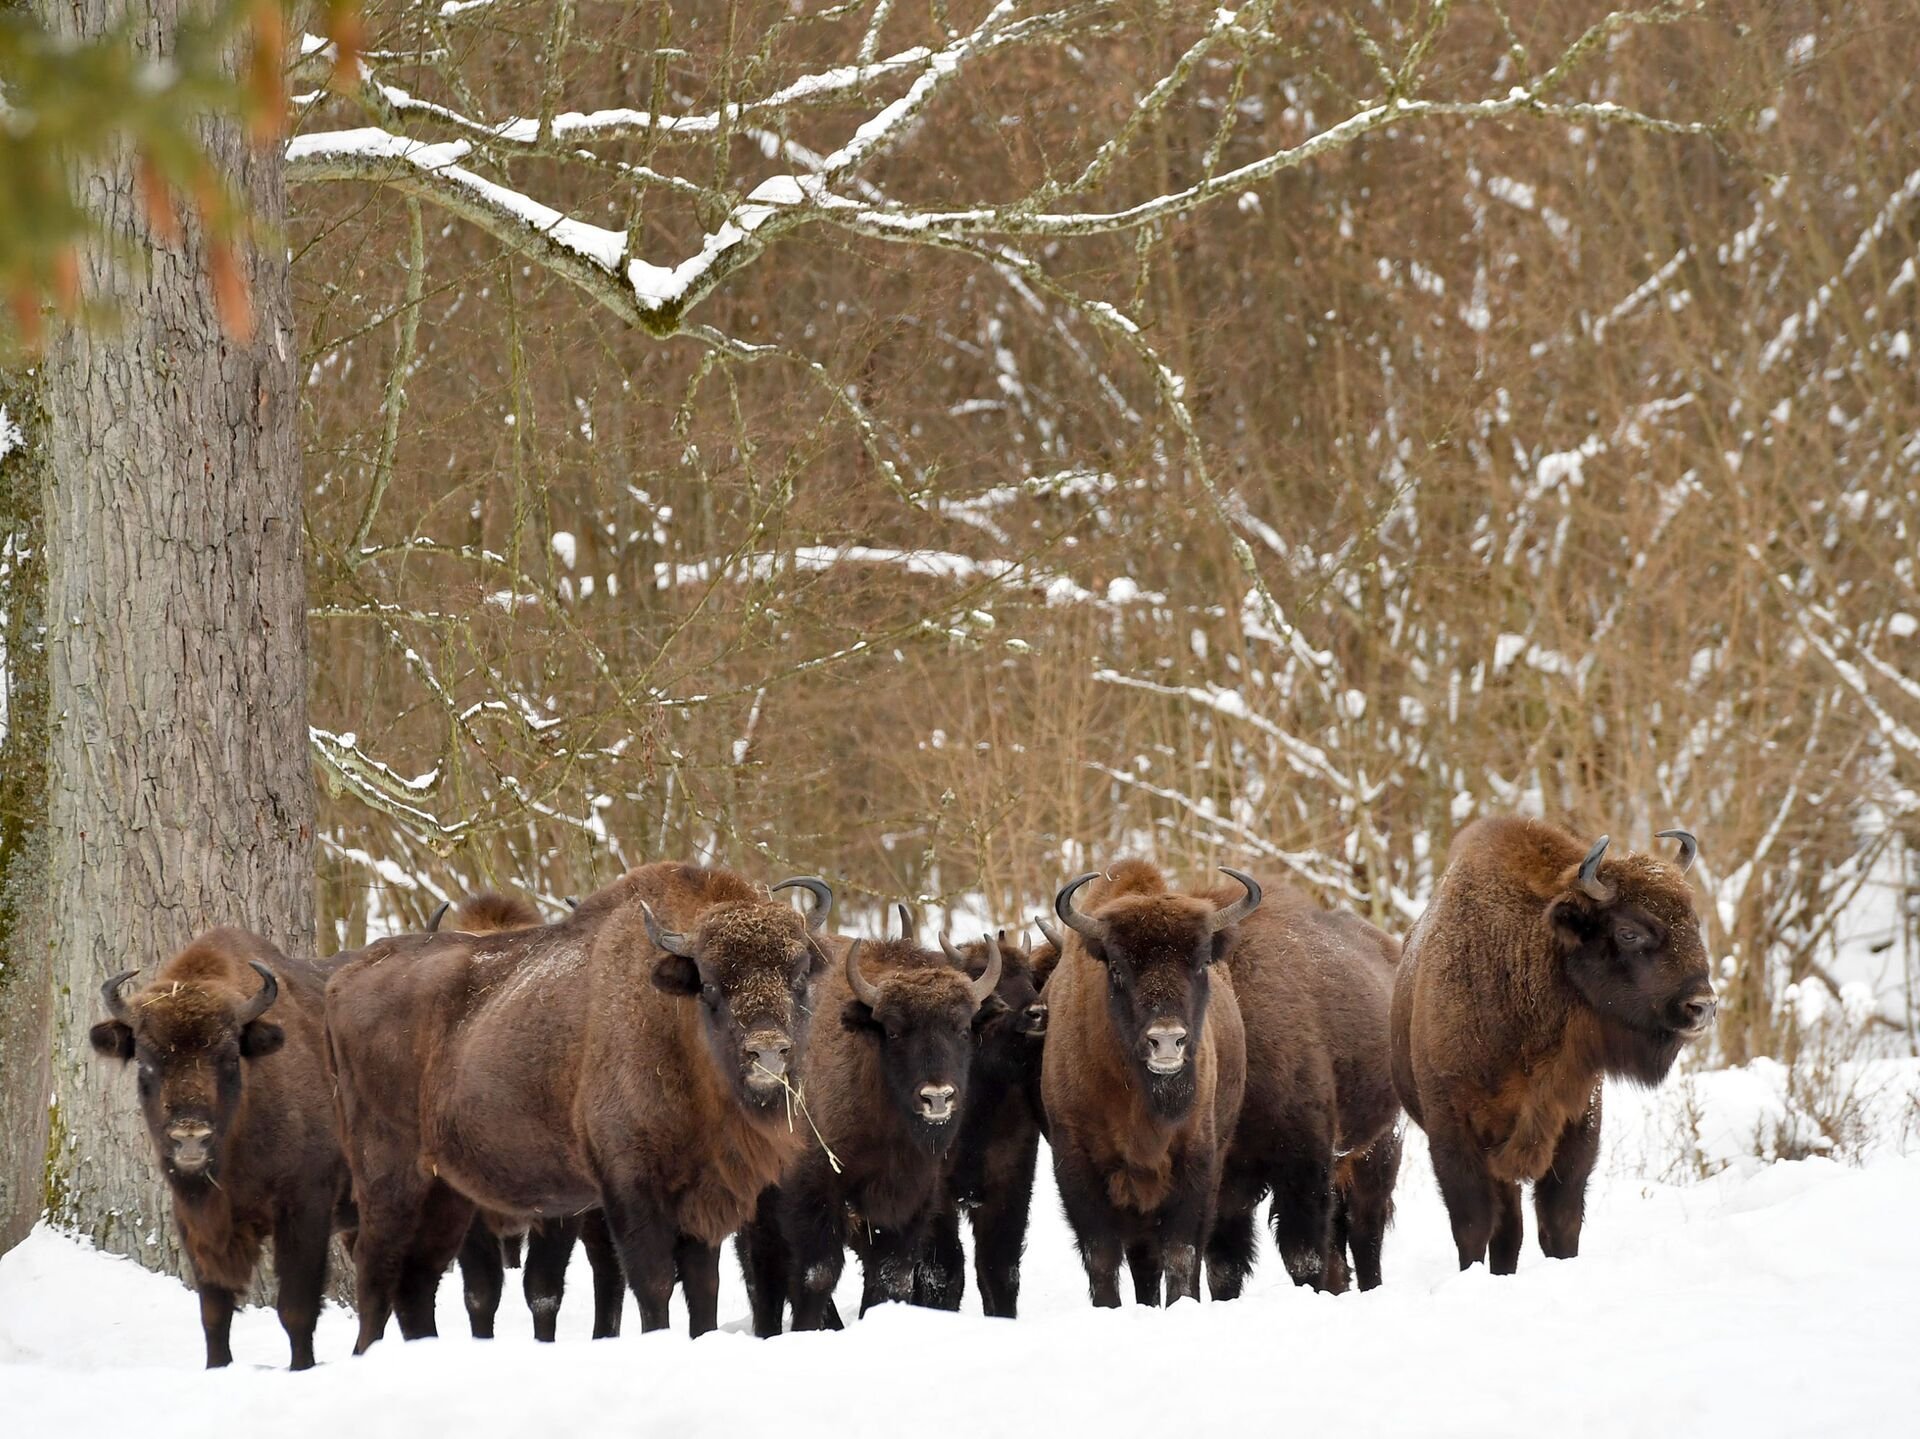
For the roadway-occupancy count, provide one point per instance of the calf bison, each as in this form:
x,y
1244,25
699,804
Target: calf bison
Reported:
x,y
1540,967
631,1057
1319,1126
886,1094
1142,1075
997,1149
227,1043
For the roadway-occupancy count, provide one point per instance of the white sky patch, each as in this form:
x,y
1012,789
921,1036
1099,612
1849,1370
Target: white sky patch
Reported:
x,y
565,547
11,437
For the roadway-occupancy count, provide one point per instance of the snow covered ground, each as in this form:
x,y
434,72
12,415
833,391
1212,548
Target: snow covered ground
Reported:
x,y
1769,1299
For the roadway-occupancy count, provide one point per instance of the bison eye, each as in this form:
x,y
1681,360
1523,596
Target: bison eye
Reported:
x,y
710,993
1627,937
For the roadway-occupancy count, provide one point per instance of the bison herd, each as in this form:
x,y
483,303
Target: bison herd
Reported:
x,y
685,1057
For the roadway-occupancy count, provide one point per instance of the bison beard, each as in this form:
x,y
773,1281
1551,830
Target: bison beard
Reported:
x,y
236,1104
607,1061
1539,968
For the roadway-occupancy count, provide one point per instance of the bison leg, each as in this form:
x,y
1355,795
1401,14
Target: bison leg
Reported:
x,y
216,1319
1000,1233
482,1277
1467,1189
1302,1216
644,1236
1147,1263
1096,1228
609,1284
889,1259
940,1276
1366,1204
1503,1249
763,1265
386,1221
544,1280
1560,1195
300,1265
1231,1249
445,1220
699,1265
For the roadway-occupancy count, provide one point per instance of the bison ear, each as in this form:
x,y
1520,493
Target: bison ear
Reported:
x,y
112,1038
992,1007
817,960
261,1038
857,1018
1574,919
676,974
1222,942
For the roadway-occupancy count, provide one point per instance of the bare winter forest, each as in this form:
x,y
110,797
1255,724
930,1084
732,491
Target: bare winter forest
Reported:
x,y
937,445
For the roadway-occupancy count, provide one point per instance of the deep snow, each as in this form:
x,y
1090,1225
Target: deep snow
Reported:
x,y
1769,1299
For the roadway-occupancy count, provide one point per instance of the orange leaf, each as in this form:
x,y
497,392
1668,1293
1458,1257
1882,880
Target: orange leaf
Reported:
x,y
156,197
66,279
230,295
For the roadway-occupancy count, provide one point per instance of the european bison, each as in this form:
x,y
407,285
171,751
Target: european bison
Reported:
x,y
885,1092
236,1102
1534,973
493,1241
631,1057
1319,1126
1142,1075
995,1153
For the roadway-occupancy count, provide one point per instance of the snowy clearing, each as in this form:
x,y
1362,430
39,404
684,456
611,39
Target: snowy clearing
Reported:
x,y
1768,1299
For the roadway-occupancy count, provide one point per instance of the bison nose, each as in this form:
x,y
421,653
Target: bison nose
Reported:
x,y
770,1054
1166,1047
190,1144
1697,1014
936,1102
1037,1018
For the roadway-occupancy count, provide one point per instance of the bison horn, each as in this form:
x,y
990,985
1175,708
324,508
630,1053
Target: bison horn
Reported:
x,y
666,939
907,926
867,994
1073,919
986,983
1241,907
117,1005
1689,846
954,956
269,991
1050,931
433,925
1589,876
822,898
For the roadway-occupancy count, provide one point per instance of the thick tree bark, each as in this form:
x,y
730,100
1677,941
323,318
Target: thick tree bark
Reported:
x,y
179,793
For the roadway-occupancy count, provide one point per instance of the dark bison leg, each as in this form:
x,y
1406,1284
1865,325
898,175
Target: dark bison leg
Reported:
x,y
1503,1249
1302,1213
445,1218
388,1214
482,1276
1232,1244
644,1235
698,1264
544,1279
889,1259
1366,1203
763,1265
216,1319
1147,1263
940,1278
300,1264
609,1284
1000,1233
1467,1189
1560,1195
1096,1228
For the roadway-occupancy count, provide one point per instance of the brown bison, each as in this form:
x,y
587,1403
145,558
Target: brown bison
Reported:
x,y
1540,967
631,1057
886,1094
1142,1075
1319,1126
493,1241
227,1044
997,1149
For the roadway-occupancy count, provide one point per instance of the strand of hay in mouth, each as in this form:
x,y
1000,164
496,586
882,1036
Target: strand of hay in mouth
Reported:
x,y
794,1097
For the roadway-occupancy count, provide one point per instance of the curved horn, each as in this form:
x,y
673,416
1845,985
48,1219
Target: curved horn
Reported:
x,y
117,1005
907,926
1072,918
866,993
1689,846
1589,876
986,983
822,894
433,925
1050,931
1241,907
573,901
269,991
666,939
954,956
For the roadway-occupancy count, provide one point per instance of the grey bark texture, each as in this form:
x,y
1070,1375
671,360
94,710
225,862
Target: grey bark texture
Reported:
x,y
179,793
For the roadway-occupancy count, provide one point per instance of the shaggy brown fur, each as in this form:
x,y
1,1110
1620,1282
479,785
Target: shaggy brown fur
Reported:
x,y
1319,1125
1517,994
544,1072
1137,1155
273,1168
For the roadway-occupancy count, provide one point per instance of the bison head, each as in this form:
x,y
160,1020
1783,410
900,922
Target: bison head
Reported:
x,y
190,1042
1156,949
749,965
1011,1023
921,1017
1632,949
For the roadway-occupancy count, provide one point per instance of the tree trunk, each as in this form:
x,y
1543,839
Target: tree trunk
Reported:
x,y
179,794
26,999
